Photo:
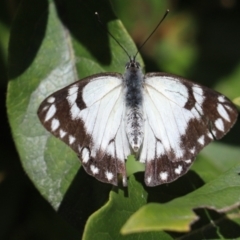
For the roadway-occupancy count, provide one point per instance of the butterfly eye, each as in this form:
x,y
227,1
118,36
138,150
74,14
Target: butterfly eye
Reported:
x,y
138,65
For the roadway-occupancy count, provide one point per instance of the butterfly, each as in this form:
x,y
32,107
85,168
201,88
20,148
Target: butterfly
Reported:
x,y
163,119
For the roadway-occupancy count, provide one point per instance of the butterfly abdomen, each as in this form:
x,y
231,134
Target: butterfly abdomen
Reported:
x,y
134,127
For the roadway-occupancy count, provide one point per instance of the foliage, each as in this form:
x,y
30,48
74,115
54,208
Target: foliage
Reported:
x,y
54,43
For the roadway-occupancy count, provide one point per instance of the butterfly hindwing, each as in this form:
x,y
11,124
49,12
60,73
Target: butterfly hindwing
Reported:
x,y
162,170
181,118
88,116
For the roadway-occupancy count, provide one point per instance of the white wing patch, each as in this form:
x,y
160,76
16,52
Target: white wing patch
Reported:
x,y
85,155
164,107
95,90
199,97
172,90
109,175
62,133
164,176
178,170
55,124
51,100
71,139
222,111
219,124
103,118
201,140
94,169
51,112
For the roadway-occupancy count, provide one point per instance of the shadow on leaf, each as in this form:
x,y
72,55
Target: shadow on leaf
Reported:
x,y
84,196
23,52
79,18
211,225
167,192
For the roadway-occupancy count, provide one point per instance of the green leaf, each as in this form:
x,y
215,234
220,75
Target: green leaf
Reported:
x,y
237,101
221,194
44,56
215,159
107,221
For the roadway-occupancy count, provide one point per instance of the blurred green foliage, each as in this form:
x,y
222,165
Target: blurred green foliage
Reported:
x,y
199,40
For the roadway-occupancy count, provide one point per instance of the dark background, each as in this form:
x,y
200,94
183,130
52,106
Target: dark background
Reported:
x,y
199,40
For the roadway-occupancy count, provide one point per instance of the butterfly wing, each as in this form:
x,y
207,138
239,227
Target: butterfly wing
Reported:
x,y
88,116
181,118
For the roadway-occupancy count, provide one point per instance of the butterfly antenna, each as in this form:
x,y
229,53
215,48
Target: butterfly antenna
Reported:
x,y
106,30
154,30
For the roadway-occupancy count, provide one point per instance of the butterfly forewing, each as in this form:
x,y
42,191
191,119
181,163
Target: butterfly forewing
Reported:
x,y
181,118
88,116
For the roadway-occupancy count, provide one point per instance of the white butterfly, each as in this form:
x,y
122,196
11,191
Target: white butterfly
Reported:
x,y
163,119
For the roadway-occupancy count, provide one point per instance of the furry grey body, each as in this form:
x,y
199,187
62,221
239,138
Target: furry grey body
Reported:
x,y
134,104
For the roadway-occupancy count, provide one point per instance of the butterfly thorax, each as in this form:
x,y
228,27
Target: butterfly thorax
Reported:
x,y
133,82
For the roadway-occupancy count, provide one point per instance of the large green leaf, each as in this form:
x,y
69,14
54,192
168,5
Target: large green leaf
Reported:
x,y
221,194
107,222
45,56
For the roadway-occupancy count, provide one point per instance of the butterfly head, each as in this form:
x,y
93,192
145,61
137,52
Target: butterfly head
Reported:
x,y
133,65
